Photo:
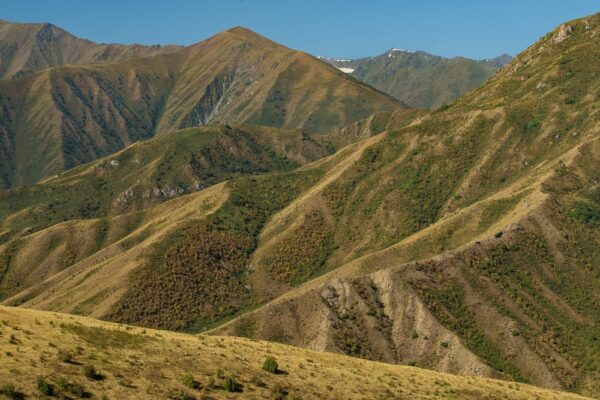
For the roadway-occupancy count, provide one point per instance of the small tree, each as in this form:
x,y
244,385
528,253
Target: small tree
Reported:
x,y
270,365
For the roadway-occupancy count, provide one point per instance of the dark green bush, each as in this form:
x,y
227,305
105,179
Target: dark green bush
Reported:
x,y
270,365
534,123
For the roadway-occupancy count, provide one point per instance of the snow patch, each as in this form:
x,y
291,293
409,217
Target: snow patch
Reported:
x,y
346,70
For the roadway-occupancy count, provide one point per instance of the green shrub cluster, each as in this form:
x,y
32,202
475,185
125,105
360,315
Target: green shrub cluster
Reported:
x,y
270,365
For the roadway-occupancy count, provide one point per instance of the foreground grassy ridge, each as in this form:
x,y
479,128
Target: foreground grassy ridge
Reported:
x,y
82,357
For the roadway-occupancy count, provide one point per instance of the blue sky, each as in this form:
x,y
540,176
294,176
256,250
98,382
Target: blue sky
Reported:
x,y
343,29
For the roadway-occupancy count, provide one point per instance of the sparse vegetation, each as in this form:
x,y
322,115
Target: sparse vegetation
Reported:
x,y
44,387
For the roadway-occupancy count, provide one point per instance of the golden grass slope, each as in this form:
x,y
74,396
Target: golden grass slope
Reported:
x,y
137,363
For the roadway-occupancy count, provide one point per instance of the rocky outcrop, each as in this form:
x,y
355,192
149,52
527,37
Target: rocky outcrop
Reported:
x,y
564,31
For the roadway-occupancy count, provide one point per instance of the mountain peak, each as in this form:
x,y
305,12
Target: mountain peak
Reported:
x,y
244,32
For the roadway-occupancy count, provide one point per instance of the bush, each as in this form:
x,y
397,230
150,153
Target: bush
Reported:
x,y
44,387
189,381
534,123
270,365
230,384
89,371
72,388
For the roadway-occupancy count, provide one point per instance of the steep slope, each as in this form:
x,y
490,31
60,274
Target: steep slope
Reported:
x,y
463,240
65,116
420,79
73,356
471,229
117,201
28,48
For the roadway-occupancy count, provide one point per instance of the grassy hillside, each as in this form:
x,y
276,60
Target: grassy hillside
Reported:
x,y
28,48
419,79
462,240
65,116
470,229
77,357
111,198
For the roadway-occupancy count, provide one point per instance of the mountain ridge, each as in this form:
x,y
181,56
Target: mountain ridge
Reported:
x,y
462,240
78,112
420,79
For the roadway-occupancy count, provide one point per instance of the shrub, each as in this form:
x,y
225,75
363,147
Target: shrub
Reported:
x,y
189,381
445,344
89,371
230,384
270,365
44,387
534,123
72,388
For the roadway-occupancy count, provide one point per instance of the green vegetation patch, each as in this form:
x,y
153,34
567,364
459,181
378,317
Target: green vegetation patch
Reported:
x,y
107,338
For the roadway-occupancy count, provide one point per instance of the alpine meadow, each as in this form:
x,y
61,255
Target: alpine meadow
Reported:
x,y
235,219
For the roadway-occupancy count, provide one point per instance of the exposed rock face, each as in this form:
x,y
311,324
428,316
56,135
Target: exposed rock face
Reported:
x,y
564,31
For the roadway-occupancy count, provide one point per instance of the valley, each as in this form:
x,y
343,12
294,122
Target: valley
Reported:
x,y
217,204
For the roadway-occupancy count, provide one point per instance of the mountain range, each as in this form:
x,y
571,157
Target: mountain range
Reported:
x,y
237,188
420,79
60,117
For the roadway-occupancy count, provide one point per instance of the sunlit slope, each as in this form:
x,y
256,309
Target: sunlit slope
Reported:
x,y
68,115
497,198
458,240
82,357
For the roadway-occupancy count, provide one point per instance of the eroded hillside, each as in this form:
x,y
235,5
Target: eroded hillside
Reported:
x,y
463,240
61,117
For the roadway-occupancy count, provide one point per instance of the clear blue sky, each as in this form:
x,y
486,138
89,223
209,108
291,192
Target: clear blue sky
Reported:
x,y
348,28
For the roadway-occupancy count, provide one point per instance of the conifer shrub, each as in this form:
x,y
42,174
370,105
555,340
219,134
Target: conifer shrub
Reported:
x,y
270,365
